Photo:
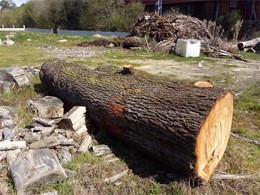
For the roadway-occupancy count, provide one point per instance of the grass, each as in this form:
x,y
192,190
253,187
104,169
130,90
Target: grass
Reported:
x,y
251,56
247,113
144,54
145,175
26,50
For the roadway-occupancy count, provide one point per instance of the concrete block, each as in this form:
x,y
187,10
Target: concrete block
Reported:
x,y
188,47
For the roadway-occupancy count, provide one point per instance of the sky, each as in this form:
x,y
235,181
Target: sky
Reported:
x,y
19,2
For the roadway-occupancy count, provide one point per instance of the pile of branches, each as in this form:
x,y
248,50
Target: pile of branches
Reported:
x,y
166,30
160,33
175,26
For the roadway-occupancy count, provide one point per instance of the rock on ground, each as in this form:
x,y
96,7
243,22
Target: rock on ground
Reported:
x,y
15,75
35,167
48,107
8,117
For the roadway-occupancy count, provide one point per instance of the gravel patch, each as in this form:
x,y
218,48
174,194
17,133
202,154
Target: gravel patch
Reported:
x,y
75,53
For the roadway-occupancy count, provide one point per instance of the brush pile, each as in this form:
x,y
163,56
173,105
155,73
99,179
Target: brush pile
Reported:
x,y
175,26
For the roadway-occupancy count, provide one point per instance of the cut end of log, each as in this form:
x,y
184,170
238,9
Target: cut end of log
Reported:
x,y
240,46
213,137
203,84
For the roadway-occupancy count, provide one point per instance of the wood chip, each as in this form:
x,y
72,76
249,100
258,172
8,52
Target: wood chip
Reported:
x,y
116,177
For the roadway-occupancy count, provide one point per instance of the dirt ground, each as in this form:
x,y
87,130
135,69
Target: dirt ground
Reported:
x,y
228,73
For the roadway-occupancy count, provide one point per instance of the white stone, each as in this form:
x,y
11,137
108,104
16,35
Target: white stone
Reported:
x,y
62,41
188,47
9,42
12,145
8,117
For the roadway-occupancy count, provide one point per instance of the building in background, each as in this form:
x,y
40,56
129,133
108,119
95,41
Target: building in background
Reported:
x,y
211,10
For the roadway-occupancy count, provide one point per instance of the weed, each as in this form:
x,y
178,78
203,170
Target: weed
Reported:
x,y
155,189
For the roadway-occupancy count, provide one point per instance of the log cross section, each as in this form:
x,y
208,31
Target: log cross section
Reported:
x,y
184,127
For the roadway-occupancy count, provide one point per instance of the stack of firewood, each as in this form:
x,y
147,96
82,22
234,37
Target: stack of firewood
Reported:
x,y
174,26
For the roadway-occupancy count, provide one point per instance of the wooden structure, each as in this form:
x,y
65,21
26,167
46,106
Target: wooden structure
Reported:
x,y
183,126
205,9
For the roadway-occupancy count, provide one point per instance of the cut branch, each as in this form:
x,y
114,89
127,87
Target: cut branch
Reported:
x,y
221,176
256,142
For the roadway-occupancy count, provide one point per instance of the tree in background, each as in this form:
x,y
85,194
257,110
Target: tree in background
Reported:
x,y
111,15
107,15
7,4
231,22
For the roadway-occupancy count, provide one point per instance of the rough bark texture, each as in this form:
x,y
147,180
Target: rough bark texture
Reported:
x,y
248,44
173,26
161,117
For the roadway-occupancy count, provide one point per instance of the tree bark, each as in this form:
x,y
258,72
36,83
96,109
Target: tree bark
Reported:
x,y
248,44
185,127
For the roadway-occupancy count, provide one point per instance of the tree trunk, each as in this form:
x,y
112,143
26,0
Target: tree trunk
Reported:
x,y
248,44
185,127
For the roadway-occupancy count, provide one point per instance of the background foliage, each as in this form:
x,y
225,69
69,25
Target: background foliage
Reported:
x,y
109,15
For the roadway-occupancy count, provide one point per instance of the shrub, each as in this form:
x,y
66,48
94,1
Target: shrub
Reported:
x,y
231,22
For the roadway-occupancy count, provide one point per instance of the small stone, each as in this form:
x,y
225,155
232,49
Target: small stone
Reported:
x,y
11,156
64,157
48,142
31,137
61,138
50,193
8,134
6,86
8,117
62,41
12,145
48,107
8,42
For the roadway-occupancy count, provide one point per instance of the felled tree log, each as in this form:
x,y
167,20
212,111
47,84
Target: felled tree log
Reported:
x,y
248,44
185,127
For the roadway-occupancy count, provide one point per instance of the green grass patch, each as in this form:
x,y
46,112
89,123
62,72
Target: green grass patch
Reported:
x,y
144,54
251,56
249,100
18,98
26,50
230,66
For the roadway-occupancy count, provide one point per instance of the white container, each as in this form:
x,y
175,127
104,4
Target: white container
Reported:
x,y
188,47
